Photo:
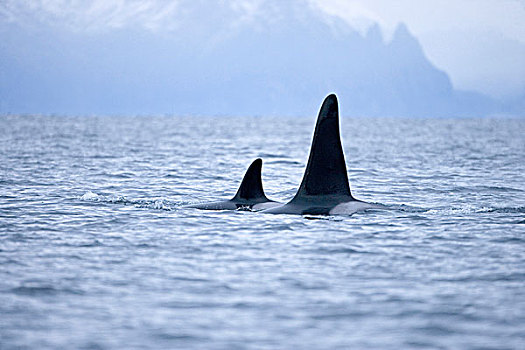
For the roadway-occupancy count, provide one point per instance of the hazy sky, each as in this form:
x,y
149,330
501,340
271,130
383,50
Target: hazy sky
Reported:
x,y
479,43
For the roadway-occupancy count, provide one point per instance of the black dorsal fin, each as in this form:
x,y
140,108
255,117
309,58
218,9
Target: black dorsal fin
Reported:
x,y
251,186
325,173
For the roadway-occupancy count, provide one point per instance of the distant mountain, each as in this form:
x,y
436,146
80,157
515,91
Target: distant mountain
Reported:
x,y
283,62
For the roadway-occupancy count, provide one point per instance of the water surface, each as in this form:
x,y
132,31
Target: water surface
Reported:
x,y
96,251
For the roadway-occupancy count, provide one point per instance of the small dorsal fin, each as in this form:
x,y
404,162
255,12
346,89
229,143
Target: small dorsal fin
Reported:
x,y
251,186
325,174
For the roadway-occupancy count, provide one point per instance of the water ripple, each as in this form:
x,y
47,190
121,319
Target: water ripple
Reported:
x,y
97,251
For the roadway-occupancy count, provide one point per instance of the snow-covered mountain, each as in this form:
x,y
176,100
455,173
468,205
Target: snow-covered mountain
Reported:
x,y
280,61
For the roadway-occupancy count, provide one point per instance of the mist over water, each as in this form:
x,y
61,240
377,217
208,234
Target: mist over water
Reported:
x,y
96,251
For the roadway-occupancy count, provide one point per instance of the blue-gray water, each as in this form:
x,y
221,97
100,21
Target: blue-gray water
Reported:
x,y
97,253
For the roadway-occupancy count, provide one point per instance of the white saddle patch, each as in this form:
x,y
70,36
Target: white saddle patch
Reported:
x,y
348,208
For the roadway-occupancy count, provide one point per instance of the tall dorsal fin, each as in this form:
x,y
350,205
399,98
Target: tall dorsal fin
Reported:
x,y
325,174
251,186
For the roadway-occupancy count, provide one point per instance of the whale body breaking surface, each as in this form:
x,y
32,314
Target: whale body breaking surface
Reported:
x,y
324,190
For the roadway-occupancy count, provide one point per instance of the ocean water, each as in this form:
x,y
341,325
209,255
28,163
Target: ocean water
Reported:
x,y
96,251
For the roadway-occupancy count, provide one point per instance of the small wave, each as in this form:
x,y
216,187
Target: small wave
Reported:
x,y
470,189
280,227
341,250
93,197
508,210
24,237
95,243
146,246
489,277
171,336
191,305
158,204
89,196
405,208
42,290
339,315
189,279
12,262
508,239
467,209
437,329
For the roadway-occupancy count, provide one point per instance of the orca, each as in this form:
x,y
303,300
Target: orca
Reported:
x,y
324,189
250,194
